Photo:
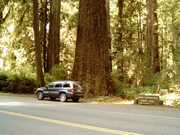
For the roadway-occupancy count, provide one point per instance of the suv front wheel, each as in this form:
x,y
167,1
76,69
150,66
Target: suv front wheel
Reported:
x,y
40,96
63,97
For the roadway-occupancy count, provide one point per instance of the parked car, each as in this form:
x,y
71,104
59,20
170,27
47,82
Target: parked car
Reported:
x,y
61,89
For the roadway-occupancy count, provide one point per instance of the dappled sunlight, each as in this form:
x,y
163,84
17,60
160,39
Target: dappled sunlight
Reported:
x,y
171,99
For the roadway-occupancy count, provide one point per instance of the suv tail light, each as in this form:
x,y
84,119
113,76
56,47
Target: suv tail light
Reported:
x,y
72,90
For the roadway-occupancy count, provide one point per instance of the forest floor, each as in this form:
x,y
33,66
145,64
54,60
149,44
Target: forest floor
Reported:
x,y
168,101
108,100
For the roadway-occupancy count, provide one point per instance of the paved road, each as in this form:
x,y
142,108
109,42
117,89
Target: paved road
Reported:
x,y
29,116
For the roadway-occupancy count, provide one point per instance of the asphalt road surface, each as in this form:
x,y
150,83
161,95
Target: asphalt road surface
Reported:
x,y
29,116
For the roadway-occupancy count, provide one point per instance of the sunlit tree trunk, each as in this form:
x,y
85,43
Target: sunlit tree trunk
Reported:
x,y
54,35
2,7
92,65
40,78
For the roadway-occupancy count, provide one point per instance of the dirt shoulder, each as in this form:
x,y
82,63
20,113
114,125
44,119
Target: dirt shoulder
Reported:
x,y
100,100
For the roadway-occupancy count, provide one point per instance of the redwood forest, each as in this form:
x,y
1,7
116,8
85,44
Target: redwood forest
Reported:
x,y
113,47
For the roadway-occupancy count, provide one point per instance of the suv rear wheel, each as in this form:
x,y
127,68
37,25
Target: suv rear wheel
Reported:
x,y
63,97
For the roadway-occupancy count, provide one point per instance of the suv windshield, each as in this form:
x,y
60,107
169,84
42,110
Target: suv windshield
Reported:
x,y
51,85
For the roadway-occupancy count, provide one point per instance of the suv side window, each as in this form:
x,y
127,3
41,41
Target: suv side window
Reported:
x,y
58,85
66,85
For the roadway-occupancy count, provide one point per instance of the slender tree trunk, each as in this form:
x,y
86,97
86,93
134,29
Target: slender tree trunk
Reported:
x,y
40,78
108,23
54,35
149,32
120,48
1,19
152,36
140,62
92,65
155,47
43,24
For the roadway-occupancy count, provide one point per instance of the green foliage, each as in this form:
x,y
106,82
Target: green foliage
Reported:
x,y
171,99
127,91
3,79
16,83
57,73
149,78
132,92
176,102
145,89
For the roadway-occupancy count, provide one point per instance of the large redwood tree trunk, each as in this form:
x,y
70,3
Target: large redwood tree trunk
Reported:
x,y
92,64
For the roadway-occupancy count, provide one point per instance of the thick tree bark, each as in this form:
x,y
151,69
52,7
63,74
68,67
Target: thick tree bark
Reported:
x,y
40,78
92,65
54,35
152,36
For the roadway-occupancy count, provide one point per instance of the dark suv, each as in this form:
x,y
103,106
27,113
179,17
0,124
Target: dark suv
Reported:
x,y
61,89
